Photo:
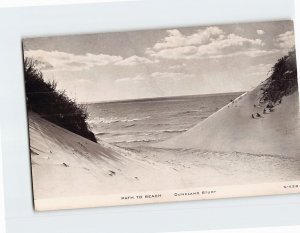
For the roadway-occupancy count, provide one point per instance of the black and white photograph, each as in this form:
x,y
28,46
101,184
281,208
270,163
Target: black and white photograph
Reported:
x,y
163,115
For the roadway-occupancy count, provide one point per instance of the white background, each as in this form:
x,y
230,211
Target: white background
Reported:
x,y
13,3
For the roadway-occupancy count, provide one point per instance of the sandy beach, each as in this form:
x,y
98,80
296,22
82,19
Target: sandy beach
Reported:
x,y
78,167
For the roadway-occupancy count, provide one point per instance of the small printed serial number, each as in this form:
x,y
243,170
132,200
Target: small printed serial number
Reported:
x,y
294,186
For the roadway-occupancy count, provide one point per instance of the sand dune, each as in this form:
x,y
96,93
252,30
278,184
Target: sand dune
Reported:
x,y
67,165
233,129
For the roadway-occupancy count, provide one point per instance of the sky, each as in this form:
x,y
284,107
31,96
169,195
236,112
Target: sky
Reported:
x,y
162,62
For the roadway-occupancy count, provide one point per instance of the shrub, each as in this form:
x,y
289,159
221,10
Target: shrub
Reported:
x,y
53,105
283,80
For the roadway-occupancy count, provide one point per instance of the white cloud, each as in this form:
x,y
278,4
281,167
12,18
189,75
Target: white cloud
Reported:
x,y
285,40
171,75
55,60
136,78
176,39
207,43
183,54
186,52
260,32
250,53
134,60
159,76
179,66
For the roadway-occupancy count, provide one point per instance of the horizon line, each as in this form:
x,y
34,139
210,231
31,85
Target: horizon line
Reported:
x,y
157,98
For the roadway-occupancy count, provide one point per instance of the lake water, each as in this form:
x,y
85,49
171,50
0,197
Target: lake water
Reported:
x,y
140,122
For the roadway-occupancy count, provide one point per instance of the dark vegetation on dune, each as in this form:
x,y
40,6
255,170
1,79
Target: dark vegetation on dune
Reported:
x,y
52,104
282,81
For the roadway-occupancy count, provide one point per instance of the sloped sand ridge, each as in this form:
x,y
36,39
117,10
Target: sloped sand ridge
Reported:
x,y
66,165
235,129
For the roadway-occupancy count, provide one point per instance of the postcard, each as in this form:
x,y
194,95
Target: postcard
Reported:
x,y
163,115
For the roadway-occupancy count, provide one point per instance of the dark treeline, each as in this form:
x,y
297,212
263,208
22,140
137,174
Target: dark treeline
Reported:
x,y
283,79
53,105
